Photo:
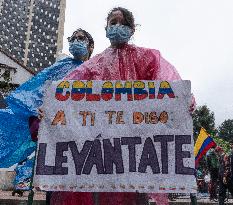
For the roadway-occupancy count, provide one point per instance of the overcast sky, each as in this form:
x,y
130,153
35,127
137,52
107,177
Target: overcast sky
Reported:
x,y
196,36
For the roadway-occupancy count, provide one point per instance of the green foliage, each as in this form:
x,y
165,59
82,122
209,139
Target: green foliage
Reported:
x,y
203,117
6,76
223,144
225,130
5,85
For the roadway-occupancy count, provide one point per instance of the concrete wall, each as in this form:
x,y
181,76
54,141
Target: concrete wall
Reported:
x,y
6,180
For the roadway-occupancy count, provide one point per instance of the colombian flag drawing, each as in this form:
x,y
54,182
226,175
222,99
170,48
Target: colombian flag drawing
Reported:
x,y
203,144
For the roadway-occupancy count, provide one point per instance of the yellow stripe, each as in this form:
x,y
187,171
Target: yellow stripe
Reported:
x,y
200,139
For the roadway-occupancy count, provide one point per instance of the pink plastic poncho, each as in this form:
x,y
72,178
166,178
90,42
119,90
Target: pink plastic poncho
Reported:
x,y
71,198
126,63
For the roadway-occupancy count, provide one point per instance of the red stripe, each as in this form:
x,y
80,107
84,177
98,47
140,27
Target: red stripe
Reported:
x,y
61,97
204,144
212,144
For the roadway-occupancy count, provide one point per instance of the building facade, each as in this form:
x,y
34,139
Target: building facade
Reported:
x,y
12,74
32,30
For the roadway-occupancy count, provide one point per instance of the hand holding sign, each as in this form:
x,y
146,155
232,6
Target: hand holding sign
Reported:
x,y
116,136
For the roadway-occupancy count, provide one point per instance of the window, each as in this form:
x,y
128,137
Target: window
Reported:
x,y
6,75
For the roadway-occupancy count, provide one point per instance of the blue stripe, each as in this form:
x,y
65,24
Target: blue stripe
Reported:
x,y
107,90
89,90
165,90
140,91
123,90
59,90
151,91
79,90
207,141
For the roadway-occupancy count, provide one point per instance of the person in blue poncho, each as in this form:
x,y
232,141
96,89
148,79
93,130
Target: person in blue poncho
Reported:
x,y
23,103
23,177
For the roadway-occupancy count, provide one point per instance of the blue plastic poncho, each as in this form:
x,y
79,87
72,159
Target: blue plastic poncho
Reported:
x,y
24,175
15,139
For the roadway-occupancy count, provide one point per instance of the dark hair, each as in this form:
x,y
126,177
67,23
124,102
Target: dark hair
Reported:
x,y
128,16
89,37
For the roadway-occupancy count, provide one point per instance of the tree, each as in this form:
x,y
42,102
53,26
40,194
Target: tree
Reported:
x,y
223,144
203,117
5,84
225,130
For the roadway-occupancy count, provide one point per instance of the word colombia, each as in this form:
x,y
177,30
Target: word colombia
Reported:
x,y
109,158
135,90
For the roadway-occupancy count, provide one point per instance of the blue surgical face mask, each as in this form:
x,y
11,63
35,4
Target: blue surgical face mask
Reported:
x,y
119,34
78,48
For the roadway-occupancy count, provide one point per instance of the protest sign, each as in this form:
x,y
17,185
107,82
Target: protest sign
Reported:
x,y
116,136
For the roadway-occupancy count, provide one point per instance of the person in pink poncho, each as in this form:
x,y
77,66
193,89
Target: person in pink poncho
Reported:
x,y
123,61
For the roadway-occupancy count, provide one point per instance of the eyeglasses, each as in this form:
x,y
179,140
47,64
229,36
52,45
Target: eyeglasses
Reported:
x,y
78,37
